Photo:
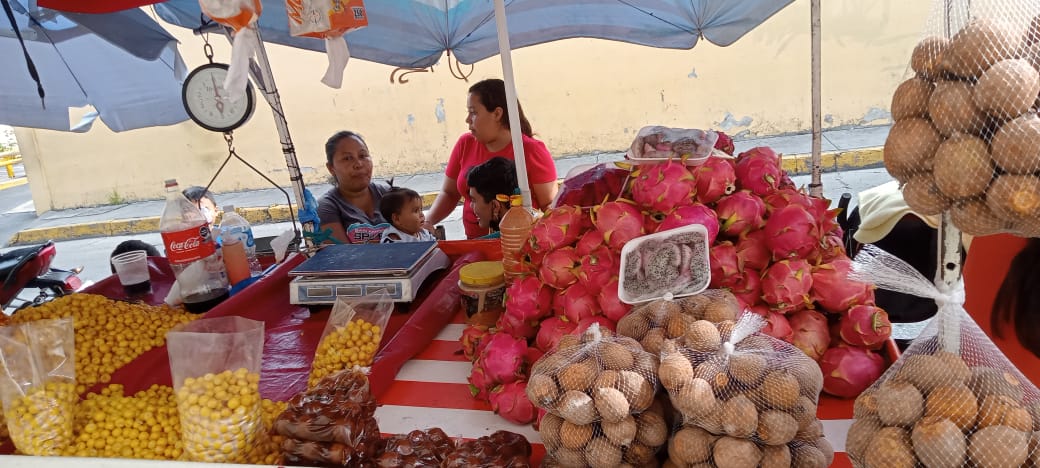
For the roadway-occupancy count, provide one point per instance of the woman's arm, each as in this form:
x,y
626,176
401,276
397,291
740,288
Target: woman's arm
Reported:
x,y
543,194
337,231
445,202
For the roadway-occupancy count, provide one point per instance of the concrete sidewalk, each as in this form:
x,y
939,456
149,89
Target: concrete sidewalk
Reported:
x,y
844,149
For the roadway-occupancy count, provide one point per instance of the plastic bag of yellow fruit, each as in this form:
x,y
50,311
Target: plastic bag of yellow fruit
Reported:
x,y
352,334
38,384
215,364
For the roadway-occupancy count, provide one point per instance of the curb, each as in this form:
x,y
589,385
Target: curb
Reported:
x,y
794,165
13,183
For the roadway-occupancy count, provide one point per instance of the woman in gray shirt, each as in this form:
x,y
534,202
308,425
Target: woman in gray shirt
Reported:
x,y
354,198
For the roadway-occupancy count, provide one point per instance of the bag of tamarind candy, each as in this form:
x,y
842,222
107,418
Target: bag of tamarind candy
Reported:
x,y
952,399
745,399
331,424
966,121
598,390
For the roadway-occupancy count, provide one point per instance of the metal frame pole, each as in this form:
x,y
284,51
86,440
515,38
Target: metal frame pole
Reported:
x,y
816,186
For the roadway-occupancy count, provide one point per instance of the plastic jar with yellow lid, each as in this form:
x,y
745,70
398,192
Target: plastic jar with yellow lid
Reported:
x,y
483,289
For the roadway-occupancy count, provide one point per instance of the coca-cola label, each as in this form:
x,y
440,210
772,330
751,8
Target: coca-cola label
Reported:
x,y
189,244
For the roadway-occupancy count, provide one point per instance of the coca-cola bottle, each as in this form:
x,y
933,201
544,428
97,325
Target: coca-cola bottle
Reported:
x,y
192,252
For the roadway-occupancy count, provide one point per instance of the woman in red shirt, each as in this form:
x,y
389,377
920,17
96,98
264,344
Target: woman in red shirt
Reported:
x,y
489,136
1002,294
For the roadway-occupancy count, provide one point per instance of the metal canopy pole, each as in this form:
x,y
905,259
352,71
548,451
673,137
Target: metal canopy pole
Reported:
x,y
505,51
816,186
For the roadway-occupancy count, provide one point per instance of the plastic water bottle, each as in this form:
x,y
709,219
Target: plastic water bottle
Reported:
x,y
515,228
192,252
233,227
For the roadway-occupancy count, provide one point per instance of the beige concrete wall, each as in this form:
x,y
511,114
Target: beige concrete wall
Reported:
x,y
581,96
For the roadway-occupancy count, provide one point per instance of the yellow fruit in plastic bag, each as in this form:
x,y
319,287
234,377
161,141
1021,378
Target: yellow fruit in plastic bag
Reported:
x,y
353,344
221,418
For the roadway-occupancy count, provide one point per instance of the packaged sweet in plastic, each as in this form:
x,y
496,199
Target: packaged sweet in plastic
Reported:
x,y
657,143
672,263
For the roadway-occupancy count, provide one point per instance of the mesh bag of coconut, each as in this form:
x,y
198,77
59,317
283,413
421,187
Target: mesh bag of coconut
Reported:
x,y
595,377
952,399
966,137
745,398
664,319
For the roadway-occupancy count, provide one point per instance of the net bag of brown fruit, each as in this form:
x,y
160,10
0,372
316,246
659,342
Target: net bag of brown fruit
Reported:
x,y
952,399
663,319
966,137
38,385
596,389
215,365
352,334
746,399
331,424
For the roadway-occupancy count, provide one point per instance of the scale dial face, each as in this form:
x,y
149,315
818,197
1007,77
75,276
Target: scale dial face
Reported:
x,y
208,104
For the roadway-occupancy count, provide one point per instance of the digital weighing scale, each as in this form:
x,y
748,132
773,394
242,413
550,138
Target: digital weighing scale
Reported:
x,y
354,270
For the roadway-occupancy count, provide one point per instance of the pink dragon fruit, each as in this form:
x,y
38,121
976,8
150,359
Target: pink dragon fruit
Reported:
x,y
752,251
503,358
811,334
792,231
826,218
866,326
471,337
588,242
740,213
532,356
724,143
510,401
587,322
558,227
747,287
661,187
714,179
834,291
479,383
597,268
559,268
652,221
784,197
576,303
758,170
777,325
786,285
831,248
620,221
610,303
724,264
848,371
529,299
550,332
692,214
512,325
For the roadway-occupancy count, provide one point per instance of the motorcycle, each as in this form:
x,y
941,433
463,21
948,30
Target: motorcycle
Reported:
x,y
30,268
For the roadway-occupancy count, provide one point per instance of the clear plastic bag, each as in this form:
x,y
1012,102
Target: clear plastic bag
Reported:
x,y
332,423
673,262
654,322
588,186
38,384
966,128
743,390
215,363
322,18
502,449
657,143
352,334
952,399
429,447
634,440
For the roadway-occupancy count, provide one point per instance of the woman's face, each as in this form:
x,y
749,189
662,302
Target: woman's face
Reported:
x,y
487,211
484,124
351,164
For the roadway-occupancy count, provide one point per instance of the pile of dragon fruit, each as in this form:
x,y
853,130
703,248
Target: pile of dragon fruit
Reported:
x,y
777,249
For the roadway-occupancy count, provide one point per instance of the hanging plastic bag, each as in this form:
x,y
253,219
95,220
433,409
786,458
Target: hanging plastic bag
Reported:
x,y
965,121
352,334
952,399
241,16
38,384
330,20
215,364
750,398
331,424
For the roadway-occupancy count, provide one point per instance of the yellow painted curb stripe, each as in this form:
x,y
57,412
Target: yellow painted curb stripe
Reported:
x,y
6,184
794,164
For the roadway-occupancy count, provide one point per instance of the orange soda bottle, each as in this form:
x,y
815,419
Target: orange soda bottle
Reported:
x,y
515,228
